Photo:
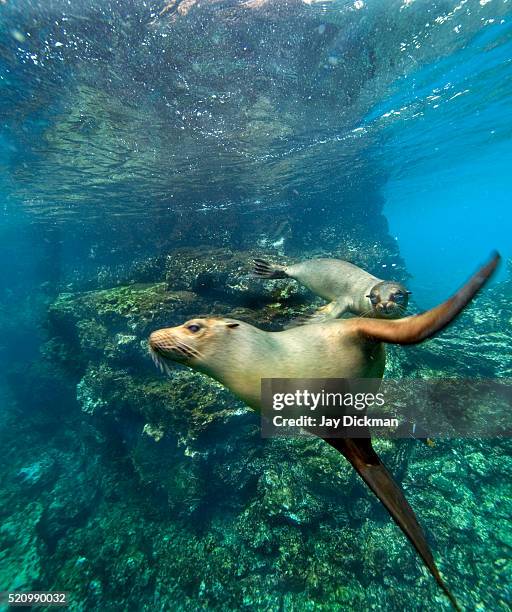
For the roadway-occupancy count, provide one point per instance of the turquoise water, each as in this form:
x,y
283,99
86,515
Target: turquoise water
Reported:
x,y
451,195
148,152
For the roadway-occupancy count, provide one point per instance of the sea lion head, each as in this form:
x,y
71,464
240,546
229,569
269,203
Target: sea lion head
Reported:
x,y
389,299
189,343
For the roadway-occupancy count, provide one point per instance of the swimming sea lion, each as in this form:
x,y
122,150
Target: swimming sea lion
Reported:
x,y
347,287
239,355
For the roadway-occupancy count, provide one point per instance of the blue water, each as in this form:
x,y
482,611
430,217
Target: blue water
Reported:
x,y
449,188
149,150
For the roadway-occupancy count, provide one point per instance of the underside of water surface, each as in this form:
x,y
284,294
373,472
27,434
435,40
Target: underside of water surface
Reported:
x,y
149,151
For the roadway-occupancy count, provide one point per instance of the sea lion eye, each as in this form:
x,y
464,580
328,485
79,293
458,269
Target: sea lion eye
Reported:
x,y
193,328
374,299
398,297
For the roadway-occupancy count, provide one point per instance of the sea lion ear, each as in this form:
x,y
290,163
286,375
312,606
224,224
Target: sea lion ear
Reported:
x,y
408,292
231,325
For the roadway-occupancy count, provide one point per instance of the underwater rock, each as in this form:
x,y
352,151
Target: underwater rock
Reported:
x,y
20,558
153,431
69,507
110,323
39,474
478,341
89,394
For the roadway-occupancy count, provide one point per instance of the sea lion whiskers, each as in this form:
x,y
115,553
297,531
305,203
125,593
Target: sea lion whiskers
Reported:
x,y
366,313
398,307
160,362
182,350
169,344
155,358
187,350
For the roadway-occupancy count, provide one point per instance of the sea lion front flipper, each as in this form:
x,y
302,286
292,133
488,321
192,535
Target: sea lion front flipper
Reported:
x,y
329,311
415,329
332,310
359,452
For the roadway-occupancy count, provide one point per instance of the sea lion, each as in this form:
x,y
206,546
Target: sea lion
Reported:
x,y
239,355
346,287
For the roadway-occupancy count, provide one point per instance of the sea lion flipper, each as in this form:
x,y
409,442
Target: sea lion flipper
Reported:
x,y
360,453
415,329
264,269
329,311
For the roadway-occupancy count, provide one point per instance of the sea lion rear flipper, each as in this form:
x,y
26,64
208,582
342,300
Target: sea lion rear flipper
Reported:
x,y
415,329
264,269
359,452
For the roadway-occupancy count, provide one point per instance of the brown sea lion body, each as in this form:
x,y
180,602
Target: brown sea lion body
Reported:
x,y
239,355
345,286
320,350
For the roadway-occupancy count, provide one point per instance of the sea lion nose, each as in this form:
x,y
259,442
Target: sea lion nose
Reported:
x,y
157,340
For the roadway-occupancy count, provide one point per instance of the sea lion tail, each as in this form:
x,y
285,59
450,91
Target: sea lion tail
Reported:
x,y
415,329
264,269
360,453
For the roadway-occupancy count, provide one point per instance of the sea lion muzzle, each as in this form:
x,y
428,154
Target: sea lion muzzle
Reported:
x,y
169,344
385,307
162,341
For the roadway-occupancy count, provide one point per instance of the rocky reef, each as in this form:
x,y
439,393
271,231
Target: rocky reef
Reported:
x,y
144,492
